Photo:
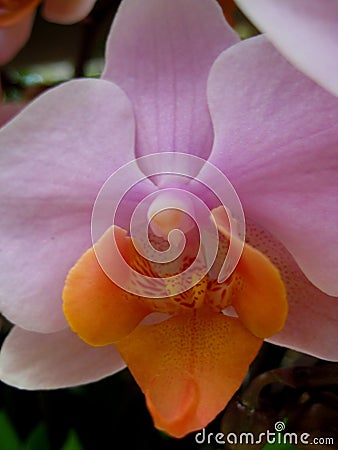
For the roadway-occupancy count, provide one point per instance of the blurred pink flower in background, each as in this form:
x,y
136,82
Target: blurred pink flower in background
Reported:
x,y
17,16
305,31
176,79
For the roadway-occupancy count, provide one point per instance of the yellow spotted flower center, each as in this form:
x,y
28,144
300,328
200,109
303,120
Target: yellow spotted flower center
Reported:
x,y
255,290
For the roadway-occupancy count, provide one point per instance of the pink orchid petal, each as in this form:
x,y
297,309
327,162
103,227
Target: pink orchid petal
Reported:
x,y
13,38
305,32
67,11
55,155
160,53
276,138
312,323
31,360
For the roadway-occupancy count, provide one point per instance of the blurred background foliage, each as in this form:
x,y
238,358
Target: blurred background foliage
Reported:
x,y
282,385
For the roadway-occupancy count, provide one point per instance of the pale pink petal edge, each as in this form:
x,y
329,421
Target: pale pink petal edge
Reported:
x,y
33,361
304,31
312,323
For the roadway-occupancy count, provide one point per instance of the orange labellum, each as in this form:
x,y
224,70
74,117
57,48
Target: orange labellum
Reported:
x,y
255,289
189,365
98,310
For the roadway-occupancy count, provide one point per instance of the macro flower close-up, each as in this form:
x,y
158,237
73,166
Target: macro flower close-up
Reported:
x,y
170,217
17,16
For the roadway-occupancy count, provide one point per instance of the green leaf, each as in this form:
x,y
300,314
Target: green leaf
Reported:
x,y
38,439
72,442
8,437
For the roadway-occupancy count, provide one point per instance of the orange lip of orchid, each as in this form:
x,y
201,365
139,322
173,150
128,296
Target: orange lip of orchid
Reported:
x,y
13,11
190,364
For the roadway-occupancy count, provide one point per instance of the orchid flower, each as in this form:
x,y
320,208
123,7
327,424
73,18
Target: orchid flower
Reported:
x,y
305,32
184,113
16,20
